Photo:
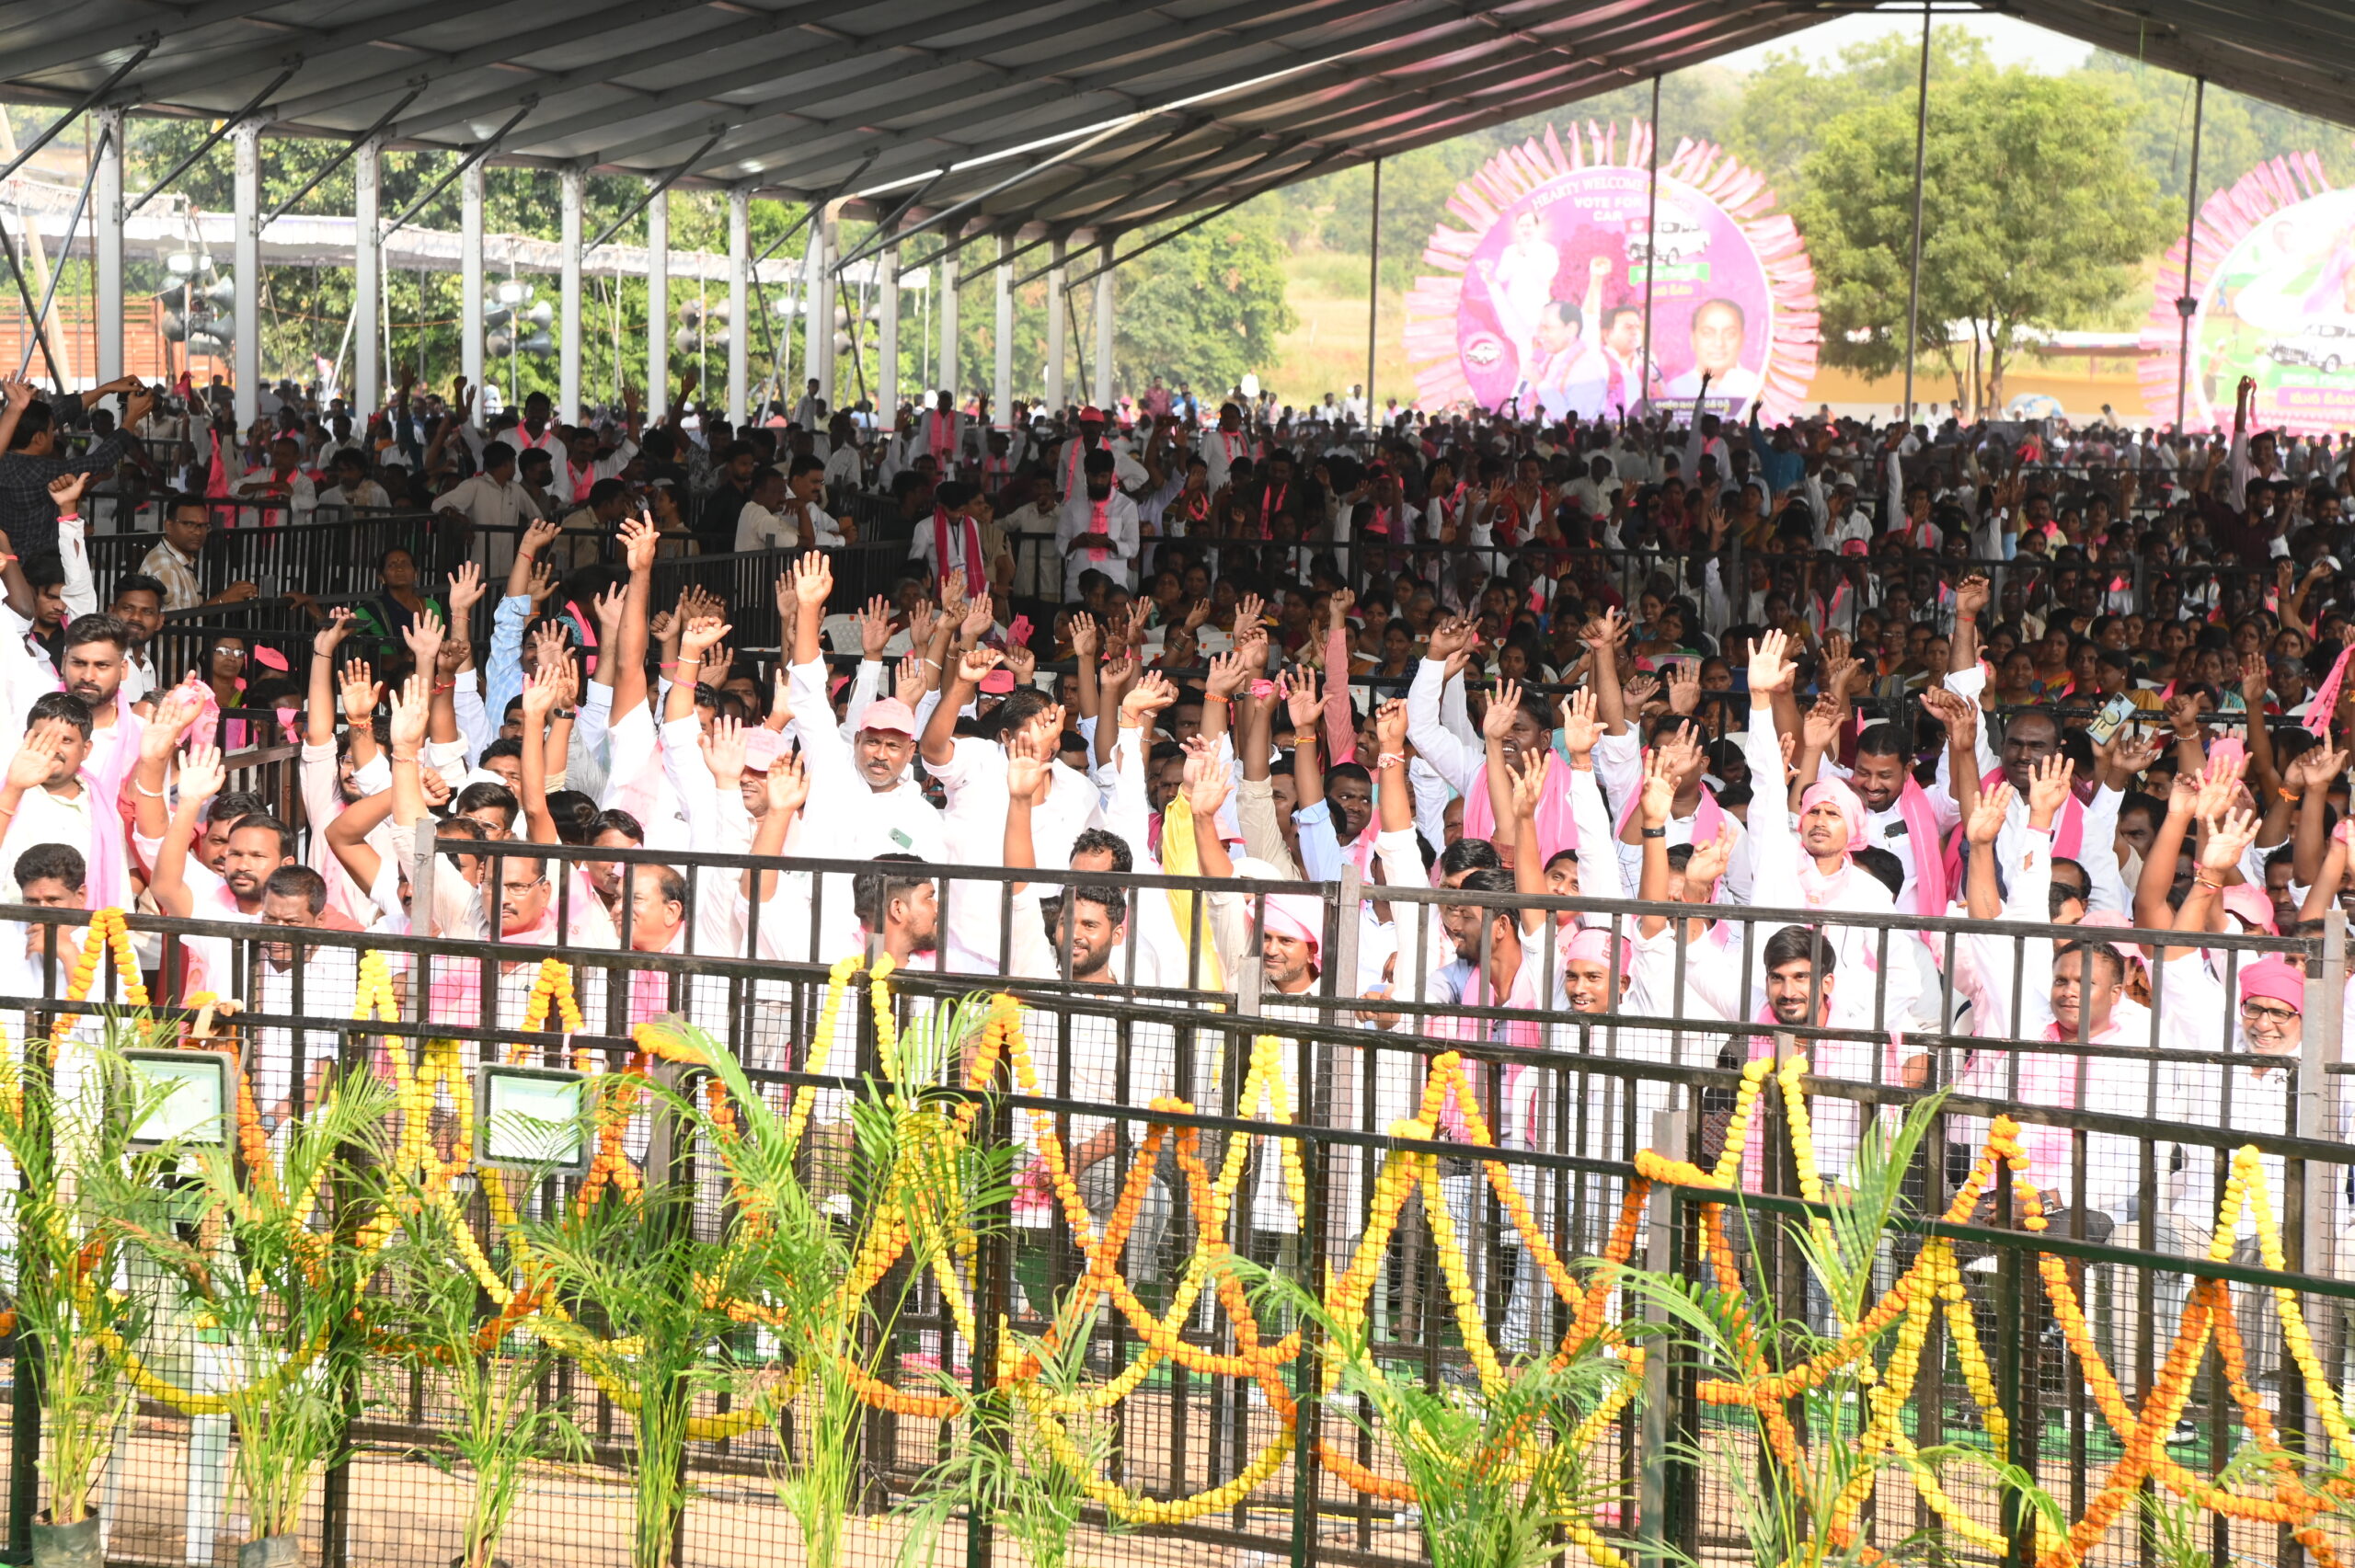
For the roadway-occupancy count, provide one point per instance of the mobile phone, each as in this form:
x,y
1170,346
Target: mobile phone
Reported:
x,y
2112,718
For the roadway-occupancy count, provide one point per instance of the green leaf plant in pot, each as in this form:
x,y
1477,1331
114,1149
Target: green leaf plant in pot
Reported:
x,y
75,1125
269,1262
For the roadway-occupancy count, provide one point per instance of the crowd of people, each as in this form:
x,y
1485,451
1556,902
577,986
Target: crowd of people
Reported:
x,y
1861,676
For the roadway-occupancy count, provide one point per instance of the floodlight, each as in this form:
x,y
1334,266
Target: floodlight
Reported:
x,y
531,1118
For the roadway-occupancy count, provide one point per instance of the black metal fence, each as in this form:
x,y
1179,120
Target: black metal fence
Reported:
x,y
2128,1128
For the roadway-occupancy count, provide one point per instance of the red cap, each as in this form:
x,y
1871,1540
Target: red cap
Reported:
x,y
889,714
998,683
1091,413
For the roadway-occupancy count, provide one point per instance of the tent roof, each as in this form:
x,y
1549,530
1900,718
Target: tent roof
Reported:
x,y
1101,117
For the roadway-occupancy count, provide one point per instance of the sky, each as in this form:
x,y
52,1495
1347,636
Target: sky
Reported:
x,y
2010,42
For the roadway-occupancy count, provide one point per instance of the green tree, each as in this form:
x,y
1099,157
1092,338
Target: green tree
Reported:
x,y
2036,212
1207,306
1780,114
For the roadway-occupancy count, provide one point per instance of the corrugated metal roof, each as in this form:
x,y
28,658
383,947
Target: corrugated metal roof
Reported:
x,y
1110,116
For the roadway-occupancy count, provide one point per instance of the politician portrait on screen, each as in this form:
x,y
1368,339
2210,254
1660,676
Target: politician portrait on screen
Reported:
x,y
1719,329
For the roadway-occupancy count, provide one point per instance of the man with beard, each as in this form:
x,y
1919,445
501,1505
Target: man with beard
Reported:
x,y
1097,530
1071,463
138,603
1223,447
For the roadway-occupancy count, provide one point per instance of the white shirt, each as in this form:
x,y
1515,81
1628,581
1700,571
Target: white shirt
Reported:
x,y
975,828
496,510
1075,522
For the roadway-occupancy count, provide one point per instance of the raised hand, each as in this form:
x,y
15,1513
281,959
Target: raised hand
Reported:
x,y
1152,695
700,635
465,591
723,751
1303,698
65,492
874,628
1205,779
980,616
639,539
1504,705
813,581
2229,836
1452,638
1603,635
2314,768
1023,661
331,636
542,586
201,773
908,684
2220,785
1970,595
1820,728
1770,671
1581,730
975,663
1710,858
423,635
1684,687
538,534
1087,637
1659,798
788,784
2049,782
1988,813
411,704
542,688
1227,676
1390,728
360,693
36,757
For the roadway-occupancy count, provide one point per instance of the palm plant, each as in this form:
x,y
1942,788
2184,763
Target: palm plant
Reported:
x,y
1788,1495
832,1293
268,1261
491,1375
1501,1472
73,1130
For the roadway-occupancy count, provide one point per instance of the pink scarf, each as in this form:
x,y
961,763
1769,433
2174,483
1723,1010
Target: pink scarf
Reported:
x,y
109,868
2325,698
583,479
972,543
1930,891
1708,818
1556,825
1100,521
942,437
1075,456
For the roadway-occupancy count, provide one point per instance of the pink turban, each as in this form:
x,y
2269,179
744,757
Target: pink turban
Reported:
x,y
1594,944
2274,980
1836,793
1296,915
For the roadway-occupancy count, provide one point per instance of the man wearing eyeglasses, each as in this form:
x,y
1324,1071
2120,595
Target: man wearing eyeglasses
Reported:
x,y
188,523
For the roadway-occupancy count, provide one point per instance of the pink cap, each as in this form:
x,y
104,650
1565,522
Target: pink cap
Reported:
x,y
2274,980
1853,547
762,748
1091,413
2250,905
890,715
269,659
998,683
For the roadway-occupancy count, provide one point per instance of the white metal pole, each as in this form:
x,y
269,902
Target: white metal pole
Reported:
x,y
1913,283
740,335
246,199
887,375
572,187
813,320
1002,343
1104,331
108,260
470,286
946,284
2186,302
1058,344
657,304
828,225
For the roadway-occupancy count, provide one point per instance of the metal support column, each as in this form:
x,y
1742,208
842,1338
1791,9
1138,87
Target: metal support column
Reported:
x,y
1651,242
367,282
886,301
1372,294
1104,328
470,286
573,187
815,319
828,226
657,304
1058,340
1002,342
740,324
1913,276
946,313
108,261
246,199
2187,303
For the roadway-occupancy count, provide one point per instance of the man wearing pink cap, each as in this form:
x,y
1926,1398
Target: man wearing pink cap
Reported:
x,y
1071,463
860,791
